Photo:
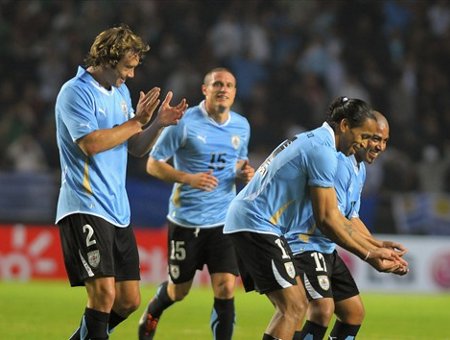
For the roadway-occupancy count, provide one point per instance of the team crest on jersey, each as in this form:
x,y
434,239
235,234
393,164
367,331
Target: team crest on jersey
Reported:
x,y
235,141
324,283
174,271
290,269
124,107
93,258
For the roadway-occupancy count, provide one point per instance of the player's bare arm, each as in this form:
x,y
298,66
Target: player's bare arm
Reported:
x,y
205,181
332,223
341,231
362,228
105,139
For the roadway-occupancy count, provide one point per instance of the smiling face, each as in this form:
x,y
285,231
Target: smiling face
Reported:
x,y
377,144
123,70
351,140
219,89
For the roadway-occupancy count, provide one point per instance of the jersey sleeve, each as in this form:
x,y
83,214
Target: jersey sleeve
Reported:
x,y
77,112
169,141
321,166
357,207
342,182
125,91
243,152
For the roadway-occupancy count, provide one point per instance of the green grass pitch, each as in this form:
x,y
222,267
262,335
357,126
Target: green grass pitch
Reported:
x,y
51,310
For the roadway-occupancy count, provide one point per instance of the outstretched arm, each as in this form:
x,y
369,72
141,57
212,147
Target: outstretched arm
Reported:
x,y
166,172
359,225
339,229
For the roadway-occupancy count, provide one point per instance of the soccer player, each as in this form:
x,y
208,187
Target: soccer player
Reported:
x,y
96,126
293,186
329,285
209,151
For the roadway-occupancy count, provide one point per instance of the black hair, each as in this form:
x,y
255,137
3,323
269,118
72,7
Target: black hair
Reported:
x,y
356,111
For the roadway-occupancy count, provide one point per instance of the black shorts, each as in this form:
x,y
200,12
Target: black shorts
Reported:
x,y
265,261
93,247
191,248
325,276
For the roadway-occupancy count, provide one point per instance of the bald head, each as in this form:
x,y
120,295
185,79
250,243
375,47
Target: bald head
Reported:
x,y
381,120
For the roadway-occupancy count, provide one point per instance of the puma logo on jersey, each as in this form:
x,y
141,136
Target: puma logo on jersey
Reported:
x,y
202,138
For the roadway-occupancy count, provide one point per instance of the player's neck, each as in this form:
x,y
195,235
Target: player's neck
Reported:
x,y
218,115
100,75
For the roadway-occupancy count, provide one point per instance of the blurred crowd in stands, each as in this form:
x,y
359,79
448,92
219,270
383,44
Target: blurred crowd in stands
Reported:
x,y
291,58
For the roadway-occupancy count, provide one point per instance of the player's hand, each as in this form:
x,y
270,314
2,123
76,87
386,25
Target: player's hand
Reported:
x,y
203,180
398,247
245,173
387,260
399,270
146,105
394,267
170,115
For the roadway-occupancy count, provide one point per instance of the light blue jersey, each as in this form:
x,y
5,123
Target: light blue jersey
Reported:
x,y
92,185
348,183
277,200
198,144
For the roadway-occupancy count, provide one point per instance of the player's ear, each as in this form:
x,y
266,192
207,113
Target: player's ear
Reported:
x,y
204,89
343,125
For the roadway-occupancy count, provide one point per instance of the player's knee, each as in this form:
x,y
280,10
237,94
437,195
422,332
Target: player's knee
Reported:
x,y
320,314
127,305
224,290
352,315
355,316
131,305
293,310
103,295
223,285
299,307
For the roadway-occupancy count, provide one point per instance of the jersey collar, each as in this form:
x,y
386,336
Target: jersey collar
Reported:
x,y
355,163
205,113
83,74
331,131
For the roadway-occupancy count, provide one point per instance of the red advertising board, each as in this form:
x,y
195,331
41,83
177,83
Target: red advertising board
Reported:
x,y
34,252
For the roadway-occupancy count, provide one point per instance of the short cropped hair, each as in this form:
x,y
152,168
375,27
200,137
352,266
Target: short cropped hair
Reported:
x,y
208,75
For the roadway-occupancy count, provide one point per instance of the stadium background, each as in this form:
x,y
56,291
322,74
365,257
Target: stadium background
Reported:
x,y
291,58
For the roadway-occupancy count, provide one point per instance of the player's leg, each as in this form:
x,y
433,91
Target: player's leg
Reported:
x,y
101,295
126,302
223,312
183,248
290,306
94,322
127,277
87,247
349,317
318,316
223,268
266,265
349,308
166,295
316,272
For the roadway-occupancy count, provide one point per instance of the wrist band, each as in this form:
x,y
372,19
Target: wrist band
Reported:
x,y
367,256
